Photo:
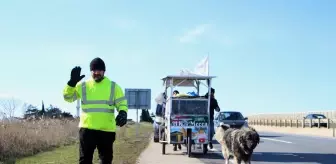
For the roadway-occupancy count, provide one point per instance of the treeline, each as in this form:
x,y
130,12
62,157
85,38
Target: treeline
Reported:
x,y
32,111
146,117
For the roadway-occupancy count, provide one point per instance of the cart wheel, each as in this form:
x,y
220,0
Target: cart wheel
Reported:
x,y
189,144
163,148
205,148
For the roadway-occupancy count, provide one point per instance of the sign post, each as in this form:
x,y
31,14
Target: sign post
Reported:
x,y
138,99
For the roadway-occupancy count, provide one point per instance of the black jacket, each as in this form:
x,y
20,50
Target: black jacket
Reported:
x,y
213,105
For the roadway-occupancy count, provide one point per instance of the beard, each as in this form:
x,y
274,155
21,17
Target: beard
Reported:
x,y
98,78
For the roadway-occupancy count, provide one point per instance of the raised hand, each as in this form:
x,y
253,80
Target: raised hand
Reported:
x,y
75,76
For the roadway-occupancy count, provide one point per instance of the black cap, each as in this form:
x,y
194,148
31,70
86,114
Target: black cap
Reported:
x,y
97,64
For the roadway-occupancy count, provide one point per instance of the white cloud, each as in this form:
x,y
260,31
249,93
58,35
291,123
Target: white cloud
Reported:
x,y
194,33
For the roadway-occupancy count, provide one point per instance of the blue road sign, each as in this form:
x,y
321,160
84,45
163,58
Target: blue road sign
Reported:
x,y
138,98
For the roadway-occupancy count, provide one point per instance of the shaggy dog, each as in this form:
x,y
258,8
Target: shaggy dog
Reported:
x,y
238,143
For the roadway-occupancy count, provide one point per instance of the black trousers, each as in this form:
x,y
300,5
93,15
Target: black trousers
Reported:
x,y
92,139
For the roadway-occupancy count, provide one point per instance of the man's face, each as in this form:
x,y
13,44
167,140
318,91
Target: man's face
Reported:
x,y
97,75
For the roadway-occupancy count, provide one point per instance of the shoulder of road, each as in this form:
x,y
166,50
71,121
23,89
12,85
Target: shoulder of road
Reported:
x,y
153,155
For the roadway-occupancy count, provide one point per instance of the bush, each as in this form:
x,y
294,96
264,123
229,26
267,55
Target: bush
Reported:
x,y
24,138
145,116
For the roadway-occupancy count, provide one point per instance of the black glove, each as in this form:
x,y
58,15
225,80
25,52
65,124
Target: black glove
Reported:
x,y
75,76
121,118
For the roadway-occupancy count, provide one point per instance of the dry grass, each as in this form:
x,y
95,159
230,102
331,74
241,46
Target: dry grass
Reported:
x,y
24,138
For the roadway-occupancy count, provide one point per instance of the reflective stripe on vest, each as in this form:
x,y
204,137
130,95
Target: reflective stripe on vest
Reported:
x,y
89,110
107,102
85,101
119,100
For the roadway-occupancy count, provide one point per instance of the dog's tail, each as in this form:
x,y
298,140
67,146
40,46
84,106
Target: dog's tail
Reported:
x,y
252,128
256,134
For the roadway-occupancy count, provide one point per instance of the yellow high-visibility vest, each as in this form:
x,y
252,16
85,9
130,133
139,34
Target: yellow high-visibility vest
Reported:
x,y
98,103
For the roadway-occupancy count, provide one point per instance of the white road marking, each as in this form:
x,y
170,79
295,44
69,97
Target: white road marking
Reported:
x,y
272,139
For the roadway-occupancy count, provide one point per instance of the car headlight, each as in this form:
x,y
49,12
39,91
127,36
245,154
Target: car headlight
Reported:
x,y
245,124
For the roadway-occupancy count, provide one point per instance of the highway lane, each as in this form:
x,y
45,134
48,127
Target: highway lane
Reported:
x,y
277,148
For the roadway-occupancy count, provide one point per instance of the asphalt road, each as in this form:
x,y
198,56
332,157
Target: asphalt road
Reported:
x,y
277,148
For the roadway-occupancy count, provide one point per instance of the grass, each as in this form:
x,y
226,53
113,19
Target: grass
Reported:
x,y
25,138
127,148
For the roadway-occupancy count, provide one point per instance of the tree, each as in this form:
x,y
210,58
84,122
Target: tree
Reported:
x,y
24,107
31,111
53,112
8,107
67,115
145,117
42,110
50,112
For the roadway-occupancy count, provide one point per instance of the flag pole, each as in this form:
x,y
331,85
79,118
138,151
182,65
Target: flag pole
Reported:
x,y
208,64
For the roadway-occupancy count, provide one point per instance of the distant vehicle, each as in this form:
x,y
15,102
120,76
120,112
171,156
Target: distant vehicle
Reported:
x,y
233,118
316,116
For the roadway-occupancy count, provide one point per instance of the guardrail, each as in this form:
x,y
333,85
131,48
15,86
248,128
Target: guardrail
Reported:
x,y
331,114
303,123
320,123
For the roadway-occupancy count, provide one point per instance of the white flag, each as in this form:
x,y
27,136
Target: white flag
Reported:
x,y
202,67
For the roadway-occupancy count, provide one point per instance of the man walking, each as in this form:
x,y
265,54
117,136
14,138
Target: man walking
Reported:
x,y
99,97
175,93
213,107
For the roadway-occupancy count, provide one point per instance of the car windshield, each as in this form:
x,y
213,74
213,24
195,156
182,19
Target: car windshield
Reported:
x,y
230,116
319,116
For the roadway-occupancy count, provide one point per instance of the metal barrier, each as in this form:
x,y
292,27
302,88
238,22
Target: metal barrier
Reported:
x,y
298,123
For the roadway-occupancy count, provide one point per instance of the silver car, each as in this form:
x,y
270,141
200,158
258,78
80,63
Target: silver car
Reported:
x,y
233,118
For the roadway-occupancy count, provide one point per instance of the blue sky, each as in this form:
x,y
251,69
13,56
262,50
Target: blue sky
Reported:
x,y
269,57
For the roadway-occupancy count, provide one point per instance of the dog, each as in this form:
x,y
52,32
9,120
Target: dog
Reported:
x,y
239,143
